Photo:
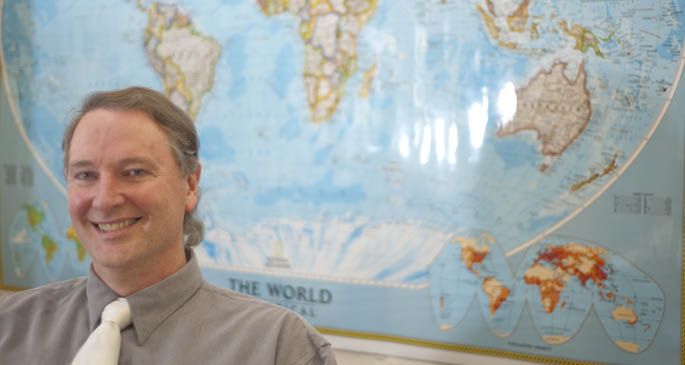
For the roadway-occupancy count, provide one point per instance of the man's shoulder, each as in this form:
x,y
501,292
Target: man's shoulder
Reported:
x,y
260,311
54,292
296,341
236,298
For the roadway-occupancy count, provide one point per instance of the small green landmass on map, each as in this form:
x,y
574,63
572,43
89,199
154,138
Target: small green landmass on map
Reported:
x,y
80,250
584,38
35,216
50,247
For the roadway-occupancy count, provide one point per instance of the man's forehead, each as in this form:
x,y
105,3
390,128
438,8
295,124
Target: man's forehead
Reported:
x,y
108,122
114,118
123,135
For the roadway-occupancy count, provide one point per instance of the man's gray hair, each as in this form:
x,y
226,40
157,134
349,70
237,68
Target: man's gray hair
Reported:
x,y
176,124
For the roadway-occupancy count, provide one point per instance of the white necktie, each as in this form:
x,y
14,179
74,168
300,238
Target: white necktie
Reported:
x,y
102,346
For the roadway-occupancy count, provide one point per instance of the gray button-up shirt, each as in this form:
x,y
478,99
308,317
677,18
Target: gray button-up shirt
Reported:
x,y
180,320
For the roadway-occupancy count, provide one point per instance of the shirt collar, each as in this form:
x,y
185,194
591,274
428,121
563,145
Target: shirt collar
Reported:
x,y
99,295
152,305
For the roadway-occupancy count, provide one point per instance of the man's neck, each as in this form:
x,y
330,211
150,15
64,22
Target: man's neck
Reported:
x,y
128,280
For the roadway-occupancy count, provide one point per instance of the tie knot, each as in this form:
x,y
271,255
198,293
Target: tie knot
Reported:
x,y
118,312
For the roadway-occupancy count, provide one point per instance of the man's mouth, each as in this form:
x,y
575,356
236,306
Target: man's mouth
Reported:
x,y
108,227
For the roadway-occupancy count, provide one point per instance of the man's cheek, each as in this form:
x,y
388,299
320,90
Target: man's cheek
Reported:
x,y
77,206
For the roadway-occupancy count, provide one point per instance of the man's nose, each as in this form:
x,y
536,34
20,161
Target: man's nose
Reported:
x,y
108,193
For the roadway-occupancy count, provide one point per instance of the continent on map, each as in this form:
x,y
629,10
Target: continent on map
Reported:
x,y
80,250
554,107
497,293
628,346
570,260
183,57
34,215
549,282
624,313
583,262
329,29
469,264
50,247
473,253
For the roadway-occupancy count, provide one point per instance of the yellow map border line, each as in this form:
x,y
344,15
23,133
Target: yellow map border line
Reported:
x,y
452,347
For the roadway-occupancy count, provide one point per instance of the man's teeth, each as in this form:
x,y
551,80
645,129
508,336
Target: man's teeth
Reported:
x,y
115,226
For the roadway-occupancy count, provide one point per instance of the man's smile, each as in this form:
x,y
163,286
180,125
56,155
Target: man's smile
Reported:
x,y
109,227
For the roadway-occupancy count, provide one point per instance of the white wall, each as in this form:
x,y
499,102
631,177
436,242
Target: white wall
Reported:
x,y
359,358
366,352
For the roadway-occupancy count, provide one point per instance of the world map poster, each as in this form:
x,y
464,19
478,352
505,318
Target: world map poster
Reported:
x,y
498,177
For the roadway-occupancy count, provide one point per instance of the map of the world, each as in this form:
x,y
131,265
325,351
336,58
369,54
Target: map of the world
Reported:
x,y
433,146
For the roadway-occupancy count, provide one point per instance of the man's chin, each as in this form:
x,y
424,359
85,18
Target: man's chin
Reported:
x,y
112,258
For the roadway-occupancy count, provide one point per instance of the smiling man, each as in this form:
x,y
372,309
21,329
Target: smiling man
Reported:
x,y
132,170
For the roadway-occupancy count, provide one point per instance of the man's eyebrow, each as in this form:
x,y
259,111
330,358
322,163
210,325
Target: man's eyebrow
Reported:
x,y
80,164
135,160
126,161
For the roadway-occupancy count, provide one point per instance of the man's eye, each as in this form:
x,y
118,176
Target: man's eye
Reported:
x,y
136,172
83,175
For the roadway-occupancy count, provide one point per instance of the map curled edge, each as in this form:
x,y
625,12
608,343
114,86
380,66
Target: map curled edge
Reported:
x,y
17,118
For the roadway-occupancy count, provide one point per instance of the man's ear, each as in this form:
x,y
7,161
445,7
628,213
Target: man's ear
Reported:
x,y
193,188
